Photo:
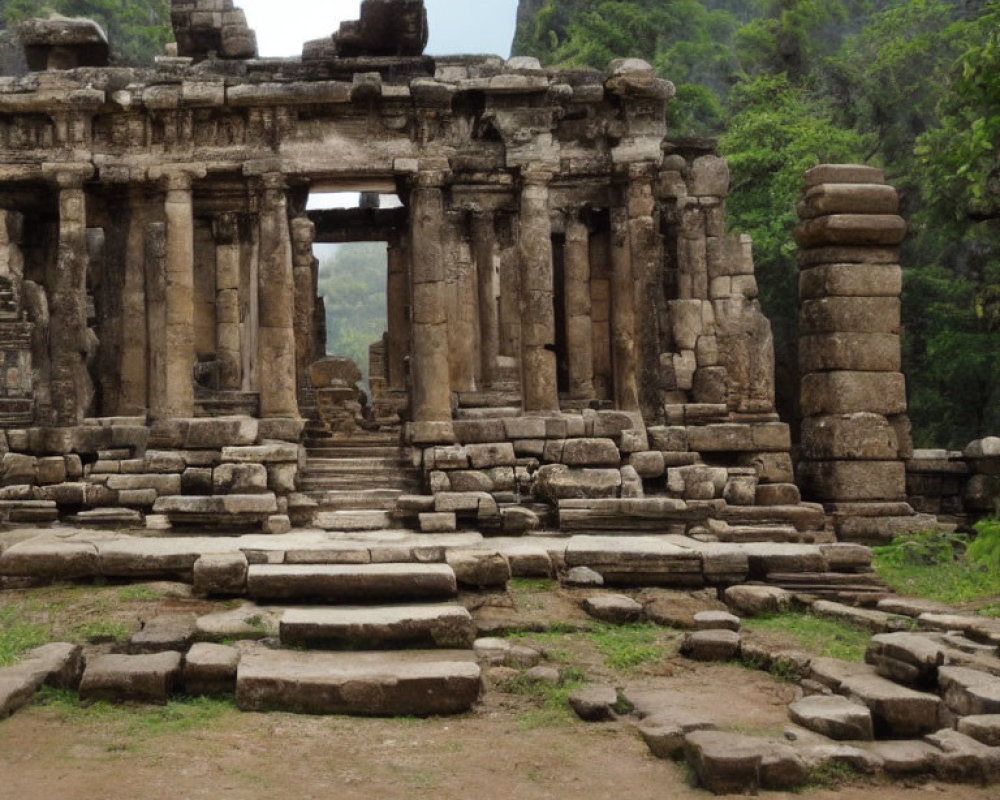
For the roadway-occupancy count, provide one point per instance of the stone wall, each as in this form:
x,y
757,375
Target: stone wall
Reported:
x,y
959,486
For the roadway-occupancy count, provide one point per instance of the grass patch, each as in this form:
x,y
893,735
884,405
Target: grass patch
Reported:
x,y
944,567
628,647
101,630
831,775
138,594
18,636
824,637
137,724
531,585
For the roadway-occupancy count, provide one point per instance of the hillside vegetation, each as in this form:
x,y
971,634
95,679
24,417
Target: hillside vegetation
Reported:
x,y
913,86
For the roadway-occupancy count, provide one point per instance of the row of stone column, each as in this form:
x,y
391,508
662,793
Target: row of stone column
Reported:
x,y
635,249
157,353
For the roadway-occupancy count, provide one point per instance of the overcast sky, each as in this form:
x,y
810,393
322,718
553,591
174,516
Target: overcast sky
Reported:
x,y
457,26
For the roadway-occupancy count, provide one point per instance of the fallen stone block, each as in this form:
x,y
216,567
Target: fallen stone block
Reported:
x,y
716,621
908,658
135,678
984,728
164,633
960,758
595,703
380,627
969,692
615,609
479,569
711,645
833,716
896,710
755,601
729,763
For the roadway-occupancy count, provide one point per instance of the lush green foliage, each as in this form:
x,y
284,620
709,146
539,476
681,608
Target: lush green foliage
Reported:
x,y
352,280
136,29
944,567
911,85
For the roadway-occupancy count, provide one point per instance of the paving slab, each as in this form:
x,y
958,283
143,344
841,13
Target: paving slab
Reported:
x,y
135,678
364,583
405,683
448,626
896,710
969,692
833,716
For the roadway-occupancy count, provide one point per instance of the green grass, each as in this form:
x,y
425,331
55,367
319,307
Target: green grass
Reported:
x,y
18,636
531,585
824,637
138,594
943,567
625,648
137,724
551,701
101,630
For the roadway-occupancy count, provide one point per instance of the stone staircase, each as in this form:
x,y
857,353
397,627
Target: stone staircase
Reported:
x,y
355,479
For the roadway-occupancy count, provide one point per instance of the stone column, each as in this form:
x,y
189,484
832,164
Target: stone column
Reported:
x,y
180,350
276,336
155,263
431,382
579,324
463,301
67,294
397,308
538,318
133,366
623,348
646,257
304,272
855,433
485,255
226,230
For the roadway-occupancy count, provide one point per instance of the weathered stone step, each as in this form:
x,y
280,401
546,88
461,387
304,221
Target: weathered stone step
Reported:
x,y
366,464
414,683
364,583
402,483
354,520
378,628
335,451
347,499
805,516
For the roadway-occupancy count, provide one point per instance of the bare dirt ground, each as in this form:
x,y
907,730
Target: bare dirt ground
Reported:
x,y
514,745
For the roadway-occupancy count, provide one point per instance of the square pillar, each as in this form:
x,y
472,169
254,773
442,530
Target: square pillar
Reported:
x,y
228,354
579,322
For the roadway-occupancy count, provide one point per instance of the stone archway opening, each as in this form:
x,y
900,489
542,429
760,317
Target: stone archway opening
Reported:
x,y
362,289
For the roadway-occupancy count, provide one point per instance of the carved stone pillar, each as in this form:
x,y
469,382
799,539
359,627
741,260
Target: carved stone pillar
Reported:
x,y
133,365
67,289
227,302
579,324
538,319
304,272
180,349
646,255
276,338
155,262
397,308
623,348
485,255
430,375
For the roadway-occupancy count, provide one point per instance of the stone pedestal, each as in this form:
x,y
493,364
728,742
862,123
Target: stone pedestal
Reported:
x,y
276,352
538,324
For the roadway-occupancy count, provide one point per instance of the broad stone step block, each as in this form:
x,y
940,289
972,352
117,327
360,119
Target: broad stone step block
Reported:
x,y
833,716
637,561
383,627
361,684
141,678
50,558
363,520
969,692
366,583
371,499
896,710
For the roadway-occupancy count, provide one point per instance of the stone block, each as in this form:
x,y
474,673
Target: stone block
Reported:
x,y
616,609
853,480
591,453
863,352
850,315
139,678
556,482
851,280
860,436
197,481
833,716
853,392
711,645
479,569
210,669
220,574
438,522
849,198
863,230
594,703
262,454
755,601
239,479
649,464
485,456
843,173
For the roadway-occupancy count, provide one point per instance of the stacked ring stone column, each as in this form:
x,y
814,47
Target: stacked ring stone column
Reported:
x,y
855,431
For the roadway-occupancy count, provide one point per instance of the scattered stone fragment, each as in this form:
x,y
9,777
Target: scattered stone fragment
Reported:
x,y
543,674
616,609
730,763
220,574
968,692
711,645
594,703
833,716
960,758
583,576
984,728
664,732
479,569
905,757
716,621
164,633
754,601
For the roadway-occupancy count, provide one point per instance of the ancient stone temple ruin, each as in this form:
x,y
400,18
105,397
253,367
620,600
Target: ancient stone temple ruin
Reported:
x,y
576,383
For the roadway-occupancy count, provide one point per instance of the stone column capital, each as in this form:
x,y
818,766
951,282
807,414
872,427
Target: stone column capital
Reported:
x,y
274,181
177,177
431,179
536,175
68,176
642,171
